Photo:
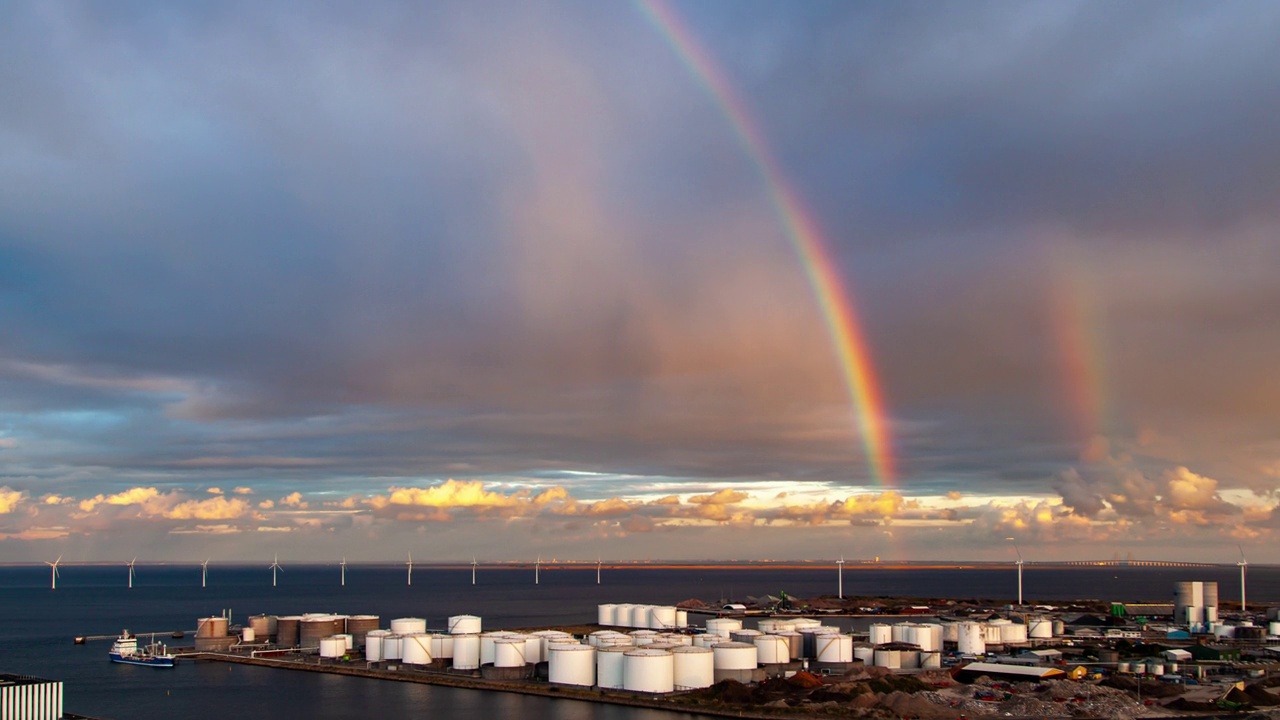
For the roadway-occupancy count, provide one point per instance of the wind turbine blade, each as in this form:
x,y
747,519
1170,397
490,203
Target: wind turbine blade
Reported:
x,y
1241,554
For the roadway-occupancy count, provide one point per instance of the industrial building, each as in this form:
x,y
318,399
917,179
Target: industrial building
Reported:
x,y
23,697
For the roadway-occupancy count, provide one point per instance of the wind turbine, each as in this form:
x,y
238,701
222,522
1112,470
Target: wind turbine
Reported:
x,y
130,564
1244,565
537,566
275,565
473,569
597,569
54,567
204,573
840,575
343,564
410,564
1019,563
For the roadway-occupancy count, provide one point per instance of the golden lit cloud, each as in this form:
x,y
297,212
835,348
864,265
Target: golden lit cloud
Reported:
x,y
214,508
10,499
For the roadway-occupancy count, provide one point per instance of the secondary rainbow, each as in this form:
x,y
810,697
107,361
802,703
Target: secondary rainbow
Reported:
x,y
805,235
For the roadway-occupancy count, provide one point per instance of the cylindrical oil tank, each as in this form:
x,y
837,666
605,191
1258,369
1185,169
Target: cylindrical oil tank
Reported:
x,y
773,626
1124,667
333,647
373,645
805,622
639,617
464,625
934,633
1059,628
904,633
745,636
651,671
662,617
676,638
358,626
287,630
693,667
834,648
1273,628
772,650
606,638
951,632
723,626
247,635
466,652
707,640
972,639
211,627
1250,632
315,627
1211,597
682,619
392,647
416,649
349,639
991,633
622,614
1040,627
609,666
663,646
261,625
881,634
864,652
607,614
642,637
1155,668
533,649
734,656
545,638
1171,667
887,658
1223,631
1013,634
487,640
910,659
442,646
572,665
930,660
408,626
509,652
795,644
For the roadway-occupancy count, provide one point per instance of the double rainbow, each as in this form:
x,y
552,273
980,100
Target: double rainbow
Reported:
x,y
806,238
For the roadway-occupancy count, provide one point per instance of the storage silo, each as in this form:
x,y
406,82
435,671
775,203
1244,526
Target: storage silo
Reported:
x,y
622,614
662,617
639,618
642,637
795,644
682,619
930,660
572,665
261,625
1211,602
509,652
1013,634
880,634
314,627
487,640
904,633
358,626
408,626
951,632
287,630
247,635
464,625
734,661
910,659
466,652
834,648
723,626
333,647
211,627
392,647
971,639
609,666
416,649
676,638
772,650
373,645
442,646
693,667
707,640
745,636
1040,627
991,632
805,622
887,658
1273,628
864,652
645,670
607,614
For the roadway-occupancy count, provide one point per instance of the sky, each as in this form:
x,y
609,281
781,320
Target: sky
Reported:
x,y
722,279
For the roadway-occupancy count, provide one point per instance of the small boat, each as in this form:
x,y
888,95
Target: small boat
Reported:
x,y
125,650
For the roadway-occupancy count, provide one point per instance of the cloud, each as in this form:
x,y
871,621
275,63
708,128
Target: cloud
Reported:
x,y
214,491
214,508
10,499
243,491
727,496
1189,491
293,500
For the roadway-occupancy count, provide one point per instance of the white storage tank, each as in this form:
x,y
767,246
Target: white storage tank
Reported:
x,y
972,639
622,615
881,634
392,647
464,625
1040,628
442,646
888,658
609,666
745,636
991,633
1013,634
931,636
723,626
707,640
642,637
834,648
416,649
693,667
263,626
651,671
466,652
546,637
904,633
247,635
487,640
795,643
864,652
509,652
640,617
333,647
350,640
805,622
607,614
930,660
951,632
1155,668
734,656
373,645
772,650
572,664
1124,667
408,626
682,619
1273,628
910,659
676,638
662,617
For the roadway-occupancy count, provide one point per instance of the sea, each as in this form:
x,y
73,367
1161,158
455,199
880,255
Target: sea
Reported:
x,y
38,624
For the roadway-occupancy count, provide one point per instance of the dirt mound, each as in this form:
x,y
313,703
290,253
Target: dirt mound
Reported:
x,y
908,705
1184,705
804,680
730,692
1260,697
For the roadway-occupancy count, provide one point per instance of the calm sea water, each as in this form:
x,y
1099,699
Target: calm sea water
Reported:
x,y
37,624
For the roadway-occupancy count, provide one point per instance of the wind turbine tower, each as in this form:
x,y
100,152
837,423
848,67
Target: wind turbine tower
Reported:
x,y
275,566
597,569
343,565
840,576
130,564
53,584
1019,563
410,564
473,569
1244,565
204,573
537,567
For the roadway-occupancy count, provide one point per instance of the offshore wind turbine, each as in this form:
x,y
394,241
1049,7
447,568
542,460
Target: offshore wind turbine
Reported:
x,y
204,573
1244,565
840,576
53,584
473,569
343,564
1019,564
275,566
130,564
597,569
410,564
537,567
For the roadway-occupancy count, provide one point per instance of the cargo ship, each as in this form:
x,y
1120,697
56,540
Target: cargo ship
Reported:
x,y
125,650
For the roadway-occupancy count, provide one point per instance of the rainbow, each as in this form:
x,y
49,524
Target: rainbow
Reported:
x,y
1080,350
806,238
